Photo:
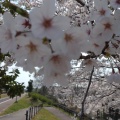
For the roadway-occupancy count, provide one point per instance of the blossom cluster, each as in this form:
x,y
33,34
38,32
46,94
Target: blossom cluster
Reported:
x,y
49,42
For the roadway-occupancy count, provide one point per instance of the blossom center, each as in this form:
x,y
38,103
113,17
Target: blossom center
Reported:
x,y
55,59
107,26
47,23
88,62
102,12
55,74
68,37
88,32
118,1
26,24
32,47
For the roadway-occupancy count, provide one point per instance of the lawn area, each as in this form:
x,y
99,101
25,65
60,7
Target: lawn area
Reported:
x,y
3,95
21,104
44,114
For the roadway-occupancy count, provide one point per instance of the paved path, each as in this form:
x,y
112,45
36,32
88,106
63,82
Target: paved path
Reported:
x,y
19,115
61,115
4,99
6,104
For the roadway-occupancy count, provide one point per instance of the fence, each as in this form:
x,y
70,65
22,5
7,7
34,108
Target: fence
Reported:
x,y
32,111
113,114
70,111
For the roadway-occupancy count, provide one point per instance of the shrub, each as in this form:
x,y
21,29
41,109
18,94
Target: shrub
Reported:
x,y
36,96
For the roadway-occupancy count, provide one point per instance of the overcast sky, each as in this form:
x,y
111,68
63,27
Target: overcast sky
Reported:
x,y
23,76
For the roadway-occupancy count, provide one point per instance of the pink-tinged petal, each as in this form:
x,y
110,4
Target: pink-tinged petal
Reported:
x,y
36,15
38,31
62,22
117,14
48,8
116,28
8,20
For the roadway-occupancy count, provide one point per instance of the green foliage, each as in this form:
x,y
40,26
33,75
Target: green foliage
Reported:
x,y
45,115
30,86
16,90
8,83
37,96
54,99
43,90
13,9
34,96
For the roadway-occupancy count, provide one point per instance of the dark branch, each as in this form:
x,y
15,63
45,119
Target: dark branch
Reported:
x,y
81,2
83,102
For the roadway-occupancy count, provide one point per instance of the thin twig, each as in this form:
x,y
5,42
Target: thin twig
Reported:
x,y
52,51
81,2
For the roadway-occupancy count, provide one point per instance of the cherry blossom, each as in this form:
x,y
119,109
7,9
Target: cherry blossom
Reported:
x,y
7,34
115,3
45,23
55,68
22,23
117,14
89,64
57,34
70,38
101,11
55,78
106,28
31,49
96,45
115,77
112,48
48,39
58,63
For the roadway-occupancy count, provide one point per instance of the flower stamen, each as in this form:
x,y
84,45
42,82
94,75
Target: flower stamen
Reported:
x,y
47,23
32,47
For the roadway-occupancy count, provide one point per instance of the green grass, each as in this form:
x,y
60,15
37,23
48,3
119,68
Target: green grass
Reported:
x,y
21,104
44,114
46,105
3,95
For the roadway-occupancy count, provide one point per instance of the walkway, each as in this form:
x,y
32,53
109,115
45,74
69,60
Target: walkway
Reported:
x,y
9,102
19,115
61,115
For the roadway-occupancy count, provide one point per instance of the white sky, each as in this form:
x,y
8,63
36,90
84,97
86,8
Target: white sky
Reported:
x,y
23,76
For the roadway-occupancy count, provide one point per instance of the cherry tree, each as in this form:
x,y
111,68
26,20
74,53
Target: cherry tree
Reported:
x,y
50,34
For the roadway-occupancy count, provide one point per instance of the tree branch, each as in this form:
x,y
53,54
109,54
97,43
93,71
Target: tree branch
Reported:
x,y
15,9
83,102
81,2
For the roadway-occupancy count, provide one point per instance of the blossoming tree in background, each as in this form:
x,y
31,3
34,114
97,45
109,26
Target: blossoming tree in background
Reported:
x,y
49,36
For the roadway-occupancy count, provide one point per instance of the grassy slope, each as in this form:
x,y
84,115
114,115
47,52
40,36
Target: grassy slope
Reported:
x,y
45,115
